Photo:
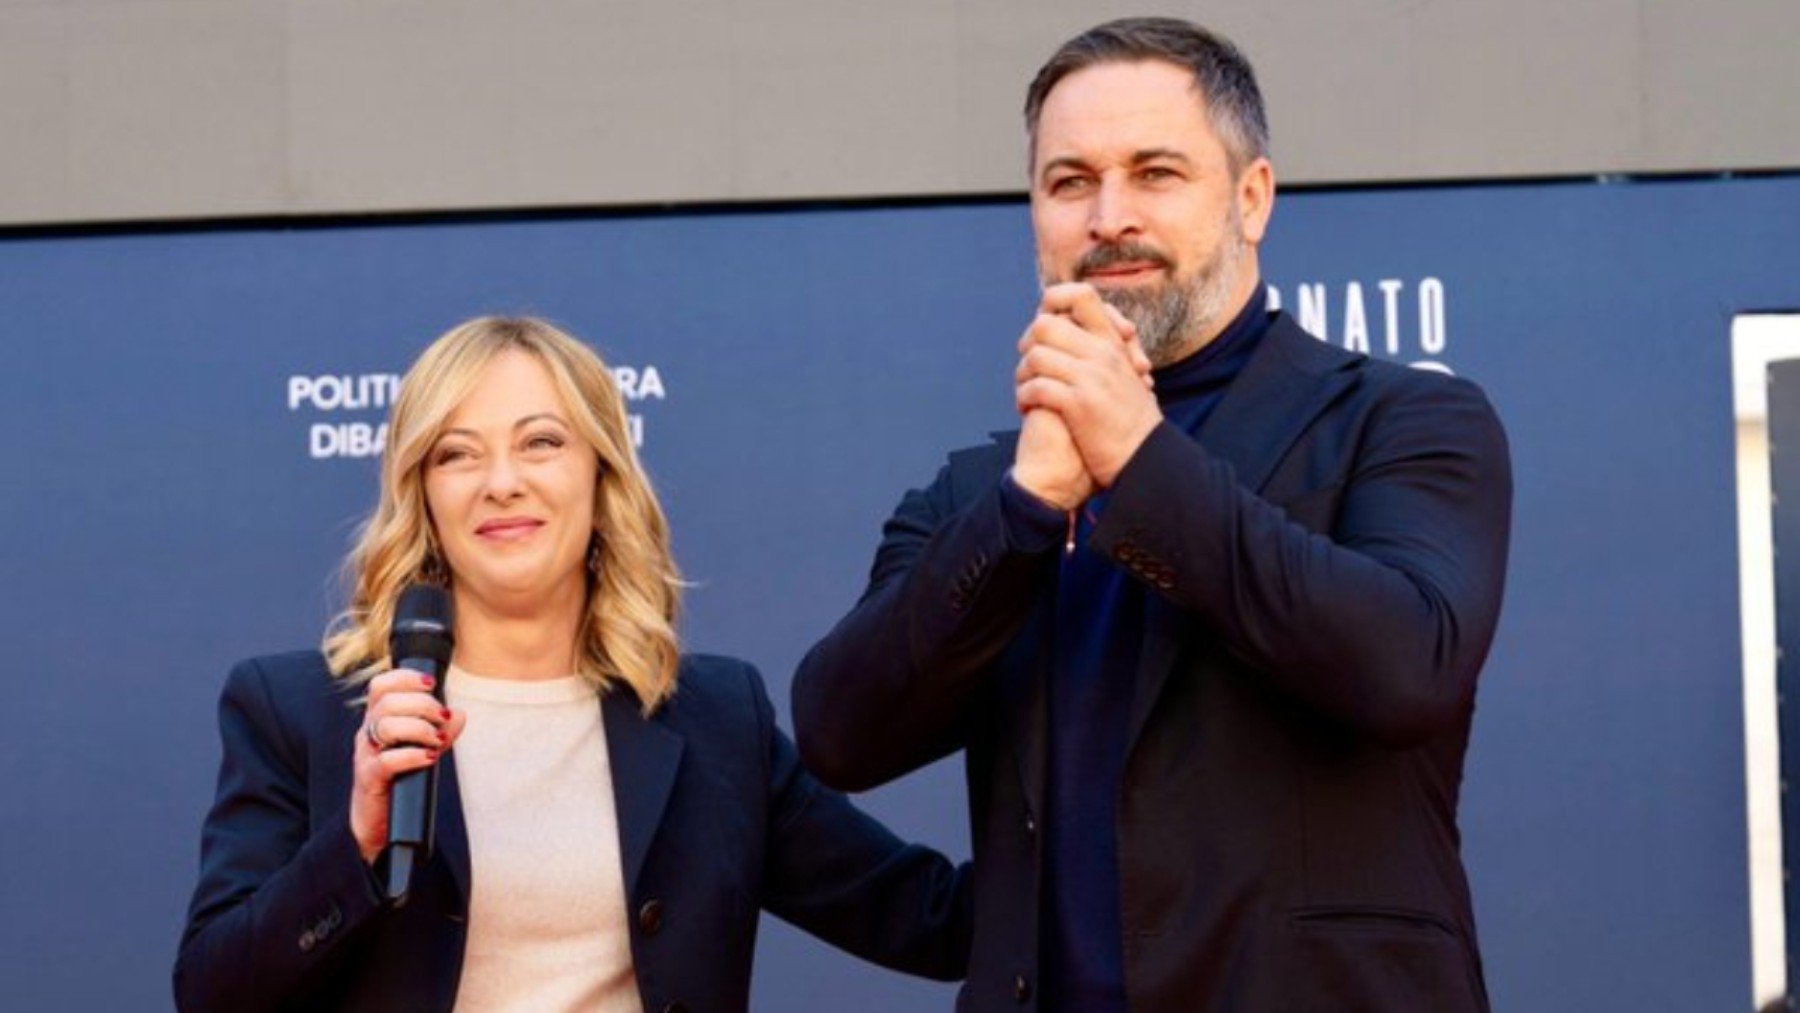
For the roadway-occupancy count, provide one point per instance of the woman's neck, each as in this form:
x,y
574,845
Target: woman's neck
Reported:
x,y
501,642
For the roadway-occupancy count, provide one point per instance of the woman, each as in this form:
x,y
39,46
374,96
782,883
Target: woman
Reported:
x,y
614,813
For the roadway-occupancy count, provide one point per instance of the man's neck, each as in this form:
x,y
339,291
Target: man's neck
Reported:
x,y
1224,322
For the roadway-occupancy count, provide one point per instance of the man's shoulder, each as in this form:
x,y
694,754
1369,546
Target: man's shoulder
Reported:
x,y
1375,378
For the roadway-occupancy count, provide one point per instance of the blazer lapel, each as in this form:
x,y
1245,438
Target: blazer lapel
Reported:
x,y
1289,380
645,756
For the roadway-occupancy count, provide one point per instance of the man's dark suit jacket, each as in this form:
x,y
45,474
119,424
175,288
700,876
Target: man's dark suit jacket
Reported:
x,y
716,820
1324,569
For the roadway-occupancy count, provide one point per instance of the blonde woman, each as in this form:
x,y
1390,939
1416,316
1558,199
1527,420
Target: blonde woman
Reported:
x,y
612,813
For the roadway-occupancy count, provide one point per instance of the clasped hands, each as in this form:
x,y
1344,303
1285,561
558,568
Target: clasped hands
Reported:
x,y
1083,386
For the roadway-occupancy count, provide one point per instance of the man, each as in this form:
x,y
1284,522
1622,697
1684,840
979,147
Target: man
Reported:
x,y
1209,644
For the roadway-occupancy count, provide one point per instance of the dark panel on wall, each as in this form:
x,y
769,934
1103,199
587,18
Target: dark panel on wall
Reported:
x,y
185,415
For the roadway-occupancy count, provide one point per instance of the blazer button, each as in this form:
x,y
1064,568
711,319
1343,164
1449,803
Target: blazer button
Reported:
x,y
308,941
1021,988
1030,825
650,917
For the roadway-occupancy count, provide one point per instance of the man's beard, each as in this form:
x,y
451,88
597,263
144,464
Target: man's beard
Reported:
x,y
1171,316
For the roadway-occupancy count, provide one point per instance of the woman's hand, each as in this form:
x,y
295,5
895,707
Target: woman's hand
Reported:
x,y
413,730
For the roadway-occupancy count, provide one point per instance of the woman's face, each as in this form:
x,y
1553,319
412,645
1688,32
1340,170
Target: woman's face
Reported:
x,y
510,487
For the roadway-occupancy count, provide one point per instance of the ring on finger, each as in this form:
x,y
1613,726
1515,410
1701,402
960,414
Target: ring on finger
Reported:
x,y
372,735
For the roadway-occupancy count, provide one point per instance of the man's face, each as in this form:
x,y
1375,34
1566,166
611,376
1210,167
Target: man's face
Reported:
x,y
1133,192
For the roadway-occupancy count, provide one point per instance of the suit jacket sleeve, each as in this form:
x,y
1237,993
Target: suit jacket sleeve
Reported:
x,y
890,688
279,893
1382,621
841,875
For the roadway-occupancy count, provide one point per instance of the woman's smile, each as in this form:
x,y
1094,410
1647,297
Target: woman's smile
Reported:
x,y
509,529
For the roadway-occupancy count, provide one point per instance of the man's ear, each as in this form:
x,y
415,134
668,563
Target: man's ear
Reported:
x,y
1256,199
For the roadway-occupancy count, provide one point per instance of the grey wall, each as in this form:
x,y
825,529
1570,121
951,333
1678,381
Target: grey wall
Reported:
x,y
134,109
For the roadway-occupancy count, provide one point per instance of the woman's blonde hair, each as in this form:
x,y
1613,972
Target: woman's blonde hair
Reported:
x,y
628,632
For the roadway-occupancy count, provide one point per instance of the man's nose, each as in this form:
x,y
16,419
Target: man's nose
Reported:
x,y
1113,216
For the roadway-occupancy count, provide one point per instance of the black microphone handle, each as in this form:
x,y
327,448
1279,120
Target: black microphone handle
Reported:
x,y
412,805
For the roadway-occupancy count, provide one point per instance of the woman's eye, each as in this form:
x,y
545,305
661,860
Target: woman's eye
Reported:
x,y
544,441
448,455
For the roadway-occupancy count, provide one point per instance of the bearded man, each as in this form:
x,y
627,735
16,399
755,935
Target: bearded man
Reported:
x,y
1208,628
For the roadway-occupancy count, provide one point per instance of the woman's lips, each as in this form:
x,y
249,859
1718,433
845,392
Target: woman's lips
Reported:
x,y
509,529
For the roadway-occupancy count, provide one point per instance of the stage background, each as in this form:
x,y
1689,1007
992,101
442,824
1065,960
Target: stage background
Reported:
x,y
165,515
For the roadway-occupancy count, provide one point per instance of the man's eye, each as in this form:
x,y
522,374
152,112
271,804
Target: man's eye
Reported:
x,y
1156,174
1068,185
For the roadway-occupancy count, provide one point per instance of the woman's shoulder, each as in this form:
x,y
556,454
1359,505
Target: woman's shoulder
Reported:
x,y
283,662
711,686
283,677
712,668
285,701
284,666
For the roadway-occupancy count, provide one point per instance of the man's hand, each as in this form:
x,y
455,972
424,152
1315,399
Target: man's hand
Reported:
x,y
1081,360
1046,463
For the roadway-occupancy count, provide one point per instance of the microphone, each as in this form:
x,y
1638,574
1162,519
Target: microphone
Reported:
x,y
420,641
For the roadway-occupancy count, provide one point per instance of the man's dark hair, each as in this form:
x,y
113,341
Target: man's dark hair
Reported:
x,y
1221,72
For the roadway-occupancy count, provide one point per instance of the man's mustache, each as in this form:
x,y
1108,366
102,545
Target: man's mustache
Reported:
x,y
1101,257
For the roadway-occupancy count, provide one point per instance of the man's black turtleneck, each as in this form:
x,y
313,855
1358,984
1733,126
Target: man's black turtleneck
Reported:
x,y
1098,625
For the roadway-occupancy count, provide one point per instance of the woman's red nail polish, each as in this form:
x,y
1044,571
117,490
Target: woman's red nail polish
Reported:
x,y
446,713
429,681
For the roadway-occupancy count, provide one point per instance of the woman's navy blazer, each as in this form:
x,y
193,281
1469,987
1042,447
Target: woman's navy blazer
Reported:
x,y
717,820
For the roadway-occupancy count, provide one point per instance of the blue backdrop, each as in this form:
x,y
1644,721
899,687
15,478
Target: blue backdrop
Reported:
x,y
182,411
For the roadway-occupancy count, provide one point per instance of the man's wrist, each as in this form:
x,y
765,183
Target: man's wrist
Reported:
x,y
1048,494
1142,437
1031,523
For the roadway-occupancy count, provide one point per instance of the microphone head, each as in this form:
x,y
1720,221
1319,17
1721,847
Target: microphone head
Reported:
x,y
423,621
424,605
